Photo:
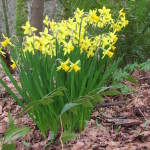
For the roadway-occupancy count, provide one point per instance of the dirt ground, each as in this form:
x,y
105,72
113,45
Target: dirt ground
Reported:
x,y
111,127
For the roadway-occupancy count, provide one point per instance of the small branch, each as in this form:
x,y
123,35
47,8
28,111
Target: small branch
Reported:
x,y
144,78
111,104
61,133
142,114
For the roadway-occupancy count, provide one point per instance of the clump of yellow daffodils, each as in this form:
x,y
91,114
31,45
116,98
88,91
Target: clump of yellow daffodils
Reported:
x,y
69,36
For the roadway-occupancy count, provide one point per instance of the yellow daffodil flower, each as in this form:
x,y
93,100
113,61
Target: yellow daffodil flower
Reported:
x,y
90,54
104,11
29,45
28,29
105,41
79,13
75,66
93,16
52,24
1,52
85,44
68,47
113,47
113,37
6,41
108,53
46,34
121,13
64,65
46,21
13,66
124,22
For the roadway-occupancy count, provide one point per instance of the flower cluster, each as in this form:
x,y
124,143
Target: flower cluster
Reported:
x,y
4,43
64,66
72,35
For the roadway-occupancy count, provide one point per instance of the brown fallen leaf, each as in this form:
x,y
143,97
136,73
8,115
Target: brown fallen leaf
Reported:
x,y
79,146
39,145
145,133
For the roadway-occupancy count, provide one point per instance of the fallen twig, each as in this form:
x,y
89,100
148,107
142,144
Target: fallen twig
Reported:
x,y
142,114
111,104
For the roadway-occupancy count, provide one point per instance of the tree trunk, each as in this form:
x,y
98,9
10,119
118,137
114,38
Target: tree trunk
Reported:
x,y
53,10
6,18
29,10
37,15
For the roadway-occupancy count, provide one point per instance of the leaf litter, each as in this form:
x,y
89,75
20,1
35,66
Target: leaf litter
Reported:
x,y
117,127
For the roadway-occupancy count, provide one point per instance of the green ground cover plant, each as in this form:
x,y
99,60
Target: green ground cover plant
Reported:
x,y
13,132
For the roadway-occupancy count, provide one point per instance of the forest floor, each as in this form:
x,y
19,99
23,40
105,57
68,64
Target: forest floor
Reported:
x,y
118,127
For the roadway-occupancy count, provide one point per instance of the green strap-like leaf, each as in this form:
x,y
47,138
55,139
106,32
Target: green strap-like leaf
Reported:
x,y
12,79
46,100
11,121
11,93
111,93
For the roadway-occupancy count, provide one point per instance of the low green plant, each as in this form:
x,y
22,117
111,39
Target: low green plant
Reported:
x,y
124,74
117,128
62,72
13,133
145,66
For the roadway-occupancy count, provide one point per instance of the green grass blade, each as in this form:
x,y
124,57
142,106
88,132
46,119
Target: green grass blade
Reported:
x,y
11,93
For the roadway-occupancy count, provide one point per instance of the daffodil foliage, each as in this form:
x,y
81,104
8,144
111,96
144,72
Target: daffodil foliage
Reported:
x,y
67,54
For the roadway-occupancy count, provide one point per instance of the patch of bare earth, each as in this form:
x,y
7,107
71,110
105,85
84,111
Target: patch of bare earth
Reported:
x,y
111,127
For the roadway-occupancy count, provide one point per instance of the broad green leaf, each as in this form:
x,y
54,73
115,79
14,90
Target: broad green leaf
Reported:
x,y
11,121
87,102
43,101
58,93
110,93
15,133
98,98
131,79
68,106
9,147
68,136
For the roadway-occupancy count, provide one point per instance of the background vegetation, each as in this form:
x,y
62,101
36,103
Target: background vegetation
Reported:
x,y
134,43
